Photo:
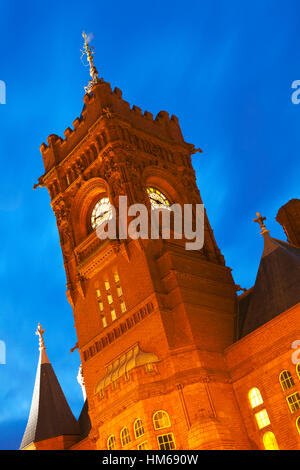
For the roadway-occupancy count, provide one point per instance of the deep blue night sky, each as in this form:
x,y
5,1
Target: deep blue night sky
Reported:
x,y
224,68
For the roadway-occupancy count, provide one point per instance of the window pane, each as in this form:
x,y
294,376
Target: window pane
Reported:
x,y
161,420
143,446
294,402
269,441
262,419
255,397
113,315
138,428
111,443
166,442
286,380
125,436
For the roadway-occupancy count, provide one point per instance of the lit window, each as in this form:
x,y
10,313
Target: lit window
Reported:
x,y
298,370
113,314
104,322
109,298
269,441
123,306
161,420
255,397
262,419
166,442
119,291
143,446
298,424
102,212
111,443
101,308
98,292
125,437
286,380
294,402
107,285
116,277
138,428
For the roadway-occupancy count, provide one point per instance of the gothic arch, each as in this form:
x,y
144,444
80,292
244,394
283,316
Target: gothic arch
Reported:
x,y
86,197
166,182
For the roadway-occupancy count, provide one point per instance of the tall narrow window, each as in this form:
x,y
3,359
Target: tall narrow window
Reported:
x,y
104,321
125,436
255,397
120,293
111,443
161,420
270,442
294,402
298,424
138,428
298,370
113,314
286,380
262,419
166,441
107,285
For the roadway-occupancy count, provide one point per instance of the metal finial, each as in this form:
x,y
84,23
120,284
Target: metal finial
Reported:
x,y
40,333
260,220
89,52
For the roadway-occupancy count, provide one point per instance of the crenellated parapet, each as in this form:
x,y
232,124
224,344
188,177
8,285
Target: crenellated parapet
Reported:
x,y
105,104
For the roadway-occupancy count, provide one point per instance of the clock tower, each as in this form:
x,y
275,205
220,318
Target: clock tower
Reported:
x,y
152,318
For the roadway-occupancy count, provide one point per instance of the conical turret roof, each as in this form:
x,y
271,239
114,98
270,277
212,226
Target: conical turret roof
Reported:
x,y
277,285
50,415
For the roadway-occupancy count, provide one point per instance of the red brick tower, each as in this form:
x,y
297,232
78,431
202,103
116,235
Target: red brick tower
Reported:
x,y
152,318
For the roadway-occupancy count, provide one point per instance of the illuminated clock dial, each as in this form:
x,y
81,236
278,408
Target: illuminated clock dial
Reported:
x,y
157,199
102,212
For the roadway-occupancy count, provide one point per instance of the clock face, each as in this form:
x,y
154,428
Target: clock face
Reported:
x,y
102,212
157,199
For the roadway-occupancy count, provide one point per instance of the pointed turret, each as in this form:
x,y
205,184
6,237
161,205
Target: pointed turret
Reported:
x,y
50,416
277,284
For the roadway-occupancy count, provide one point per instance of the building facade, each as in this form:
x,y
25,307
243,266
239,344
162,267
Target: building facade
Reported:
x,y
171,356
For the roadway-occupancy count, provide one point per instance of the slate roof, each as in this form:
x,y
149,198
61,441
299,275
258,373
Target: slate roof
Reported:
x,y
276,289
50,414
84,421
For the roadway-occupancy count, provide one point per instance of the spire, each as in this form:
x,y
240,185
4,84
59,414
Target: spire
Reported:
x,y
277,284
260,220
89,52
50,415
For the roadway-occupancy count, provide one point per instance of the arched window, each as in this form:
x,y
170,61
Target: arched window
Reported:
x,y
111,443
161,420
125,436
255,397
286,380
298,424
298,370
269,441
138,428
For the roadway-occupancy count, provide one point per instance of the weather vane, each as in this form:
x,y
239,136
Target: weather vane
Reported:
x,y
89,52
